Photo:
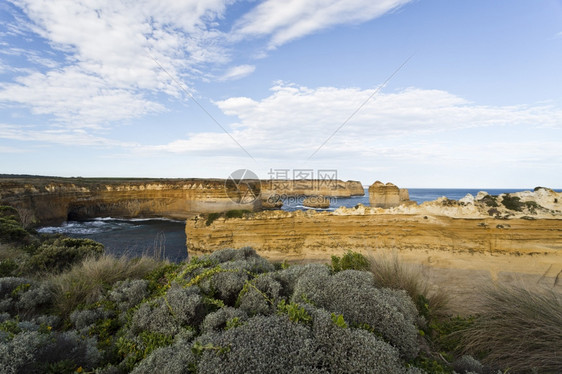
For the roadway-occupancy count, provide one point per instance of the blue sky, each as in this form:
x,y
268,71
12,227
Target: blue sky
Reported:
x,y
170,88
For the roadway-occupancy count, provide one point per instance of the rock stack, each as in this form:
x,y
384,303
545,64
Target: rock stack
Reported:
x,y
387,195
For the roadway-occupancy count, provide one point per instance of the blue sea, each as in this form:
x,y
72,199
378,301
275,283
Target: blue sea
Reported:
x,y
418,195
166,238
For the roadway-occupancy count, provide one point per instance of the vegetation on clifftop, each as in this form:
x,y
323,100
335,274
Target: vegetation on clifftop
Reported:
x,y
66,307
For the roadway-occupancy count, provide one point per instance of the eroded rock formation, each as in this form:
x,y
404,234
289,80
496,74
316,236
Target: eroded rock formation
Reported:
x,y
471,234
316,202
54,200
311,187
51,200
387,195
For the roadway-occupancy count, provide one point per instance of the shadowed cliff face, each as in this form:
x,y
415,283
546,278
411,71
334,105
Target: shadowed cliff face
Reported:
x,y
49,200
53,200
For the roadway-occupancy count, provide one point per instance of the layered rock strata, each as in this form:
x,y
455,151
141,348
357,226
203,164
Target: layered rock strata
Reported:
x,y
54,200
482,233
311,187
387,195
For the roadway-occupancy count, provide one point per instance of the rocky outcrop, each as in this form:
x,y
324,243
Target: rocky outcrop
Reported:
x,y
54,200
387,195
320,202
311,187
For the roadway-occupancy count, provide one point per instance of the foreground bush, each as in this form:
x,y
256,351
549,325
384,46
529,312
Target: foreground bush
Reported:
x,y
518,329
233,312
390,272
87,281
62,253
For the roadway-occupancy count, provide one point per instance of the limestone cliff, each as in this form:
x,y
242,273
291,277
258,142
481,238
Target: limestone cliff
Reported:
x,y
42,200
52,200
320,234
311,187
445,233
387,195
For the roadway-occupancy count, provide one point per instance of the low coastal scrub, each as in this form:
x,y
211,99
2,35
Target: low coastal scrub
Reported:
x,y
234,312
518,328
390,272
236,213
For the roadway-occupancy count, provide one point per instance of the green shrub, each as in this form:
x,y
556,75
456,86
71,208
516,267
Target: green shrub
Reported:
x,y
236,213
7,267
490,201
11,230
350,261
9,212
532,206
512,202
211,217
62,254
294,311
141,346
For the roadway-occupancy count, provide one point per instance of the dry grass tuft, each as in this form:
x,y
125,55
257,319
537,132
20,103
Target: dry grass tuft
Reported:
x,y
519,329
84,283
390,272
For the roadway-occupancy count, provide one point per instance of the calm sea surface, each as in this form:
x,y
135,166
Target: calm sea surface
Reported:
x,y
166,238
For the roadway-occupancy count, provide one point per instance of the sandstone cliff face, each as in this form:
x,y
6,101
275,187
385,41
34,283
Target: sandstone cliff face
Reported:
x,y
442,233
47,200
54,200
387,195
311,187
318,235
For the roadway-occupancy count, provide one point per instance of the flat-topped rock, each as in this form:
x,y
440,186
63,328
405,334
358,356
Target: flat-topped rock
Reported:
x,y
387,195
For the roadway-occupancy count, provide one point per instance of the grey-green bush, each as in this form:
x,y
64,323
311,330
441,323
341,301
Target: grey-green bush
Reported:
x,y
348,350
250,260
32,352
219,320
263,344
168,314
468,364
353,294
261,295
176,359
128,293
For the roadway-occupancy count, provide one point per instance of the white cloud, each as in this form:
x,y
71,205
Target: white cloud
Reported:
x,y
76,137
238,72
294,120
109,72
286,20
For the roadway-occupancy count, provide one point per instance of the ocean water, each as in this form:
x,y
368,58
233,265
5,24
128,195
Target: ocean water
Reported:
x,y
418,195
166,238
161,238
